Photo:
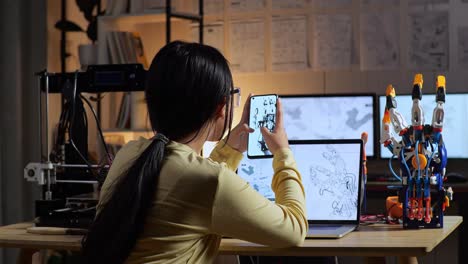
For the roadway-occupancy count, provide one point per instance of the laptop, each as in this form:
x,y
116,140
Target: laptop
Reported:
x,y
332,177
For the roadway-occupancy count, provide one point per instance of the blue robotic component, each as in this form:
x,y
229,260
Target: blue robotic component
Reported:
x,y
422,156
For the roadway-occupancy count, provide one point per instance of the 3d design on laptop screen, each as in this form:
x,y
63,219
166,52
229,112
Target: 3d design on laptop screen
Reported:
x,y
456,120
330,175
329,117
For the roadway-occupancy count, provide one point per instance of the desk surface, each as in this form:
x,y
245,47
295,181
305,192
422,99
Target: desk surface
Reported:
x,y
373,240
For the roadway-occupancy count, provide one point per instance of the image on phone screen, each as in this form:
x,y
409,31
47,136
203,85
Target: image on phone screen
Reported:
x,y
262,114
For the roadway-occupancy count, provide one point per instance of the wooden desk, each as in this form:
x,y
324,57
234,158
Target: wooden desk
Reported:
x,y
371,241
377,193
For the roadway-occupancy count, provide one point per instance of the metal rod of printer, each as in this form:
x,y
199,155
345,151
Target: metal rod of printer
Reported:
x,y
75,181
48,194
47,115
80,166
41,145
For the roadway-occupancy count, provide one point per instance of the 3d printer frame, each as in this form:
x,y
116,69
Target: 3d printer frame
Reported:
x,y
65,208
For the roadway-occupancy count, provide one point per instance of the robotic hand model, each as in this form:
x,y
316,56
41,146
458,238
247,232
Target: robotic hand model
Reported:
x,y
421,154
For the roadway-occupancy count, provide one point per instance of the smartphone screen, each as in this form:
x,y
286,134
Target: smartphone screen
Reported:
x,y
262,114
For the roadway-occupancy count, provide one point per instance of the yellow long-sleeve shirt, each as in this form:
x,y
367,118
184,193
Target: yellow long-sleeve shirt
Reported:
x,y
199,200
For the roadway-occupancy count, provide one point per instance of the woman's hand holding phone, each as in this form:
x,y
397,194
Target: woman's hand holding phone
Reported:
x,y
276,139
239,134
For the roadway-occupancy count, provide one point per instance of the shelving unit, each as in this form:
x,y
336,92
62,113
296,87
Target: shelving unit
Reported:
x,y
151,27
156,29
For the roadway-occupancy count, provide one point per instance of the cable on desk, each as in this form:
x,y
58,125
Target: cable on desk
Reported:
x,y
372,219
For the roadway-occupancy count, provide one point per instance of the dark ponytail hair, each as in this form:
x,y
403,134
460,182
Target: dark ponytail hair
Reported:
x,y
186,84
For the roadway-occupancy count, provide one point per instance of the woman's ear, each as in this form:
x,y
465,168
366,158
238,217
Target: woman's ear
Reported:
x,y
221,111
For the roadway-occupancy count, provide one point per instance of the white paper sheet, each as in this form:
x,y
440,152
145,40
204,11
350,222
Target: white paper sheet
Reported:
x,y
332,42
331,3
213,35
393,3
285,4
427,2
289,43
246,5
380,41
153,4
428,40
213,6
248,46
463,47
210,7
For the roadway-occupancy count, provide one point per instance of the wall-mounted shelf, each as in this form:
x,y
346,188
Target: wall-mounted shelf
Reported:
x,y
153,17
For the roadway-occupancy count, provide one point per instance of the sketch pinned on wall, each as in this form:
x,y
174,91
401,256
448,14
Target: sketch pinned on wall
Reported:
x,y
246,5
463,46
427,2
287,4
213,34
248,46
428,40
392,3
380,41
289,43
210,7
332,42
331,3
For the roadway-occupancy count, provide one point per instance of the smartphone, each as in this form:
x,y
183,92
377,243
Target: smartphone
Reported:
x,y
262,114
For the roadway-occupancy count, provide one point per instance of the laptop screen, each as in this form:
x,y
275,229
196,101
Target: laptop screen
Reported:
x,y
331,173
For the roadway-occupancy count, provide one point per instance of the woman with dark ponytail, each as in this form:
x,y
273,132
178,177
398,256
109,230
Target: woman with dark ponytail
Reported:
x,y
162,202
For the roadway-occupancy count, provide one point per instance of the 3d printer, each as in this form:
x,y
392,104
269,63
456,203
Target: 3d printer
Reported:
x,y
68,177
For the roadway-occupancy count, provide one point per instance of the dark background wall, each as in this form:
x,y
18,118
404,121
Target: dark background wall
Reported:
x,y
22,52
